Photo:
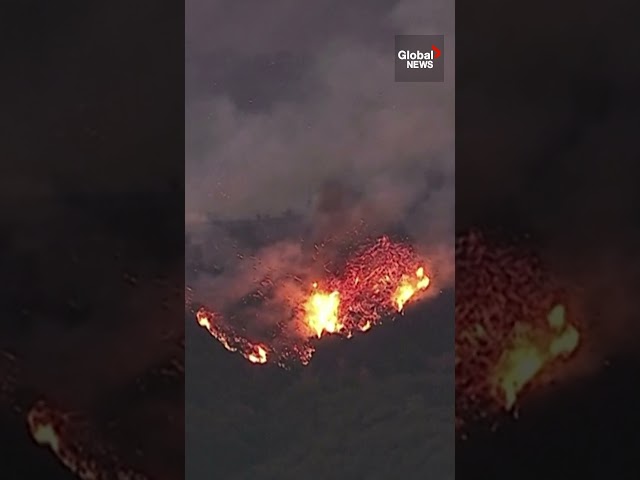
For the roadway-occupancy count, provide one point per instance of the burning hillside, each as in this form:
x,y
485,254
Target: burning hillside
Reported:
x,y
514,324
60,433
374,284
104,441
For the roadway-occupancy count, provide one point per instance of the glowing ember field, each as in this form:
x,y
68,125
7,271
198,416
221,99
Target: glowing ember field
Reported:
x,y
513,326
55,430
375,284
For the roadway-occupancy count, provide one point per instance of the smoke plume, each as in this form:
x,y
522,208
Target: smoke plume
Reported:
x,y
307,119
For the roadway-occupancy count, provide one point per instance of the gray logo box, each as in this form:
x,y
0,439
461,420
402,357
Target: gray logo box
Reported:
x,y
419,58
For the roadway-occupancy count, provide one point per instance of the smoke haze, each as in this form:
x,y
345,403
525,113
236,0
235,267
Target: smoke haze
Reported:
x,y
301,113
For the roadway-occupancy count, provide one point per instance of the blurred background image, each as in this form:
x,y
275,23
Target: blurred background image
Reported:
x,y
91,333
546,240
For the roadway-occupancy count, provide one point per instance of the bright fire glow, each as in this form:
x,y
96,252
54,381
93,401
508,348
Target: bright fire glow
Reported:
x,y
409,286
322,312
531,352
52,428
375,283
514,327
259,355
254,352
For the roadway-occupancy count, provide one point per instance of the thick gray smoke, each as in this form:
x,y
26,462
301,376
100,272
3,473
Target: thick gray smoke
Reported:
x,y
301,113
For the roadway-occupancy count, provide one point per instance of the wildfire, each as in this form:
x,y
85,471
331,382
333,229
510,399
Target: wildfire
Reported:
x,y
531,352
52,428
254,352
44,432
510,326
374,284
322,312
409,286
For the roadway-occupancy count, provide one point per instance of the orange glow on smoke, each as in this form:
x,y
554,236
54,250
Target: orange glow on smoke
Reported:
x,y
376,283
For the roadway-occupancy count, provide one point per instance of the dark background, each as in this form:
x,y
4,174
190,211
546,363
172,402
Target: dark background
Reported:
x,y
546,122
91,220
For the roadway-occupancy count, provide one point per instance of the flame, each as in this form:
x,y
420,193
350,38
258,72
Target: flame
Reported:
x,y
377,281
254,352
322,312
531,353
512,326
47,428
45,434
259,355
409,286
52,428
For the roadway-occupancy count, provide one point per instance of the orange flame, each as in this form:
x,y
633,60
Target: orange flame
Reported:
x,y
254,352
51,428
322,312
409,287
511,330
531,352
259,355
376,283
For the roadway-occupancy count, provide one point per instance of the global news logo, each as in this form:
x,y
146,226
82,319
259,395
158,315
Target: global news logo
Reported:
x,y
419,58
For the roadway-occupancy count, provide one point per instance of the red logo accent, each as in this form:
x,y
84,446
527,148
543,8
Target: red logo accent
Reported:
x,y
436,51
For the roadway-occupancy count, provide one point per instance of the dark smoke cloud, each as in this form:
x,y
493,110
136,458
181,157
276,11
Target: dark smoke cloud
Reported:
x,y
329,135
